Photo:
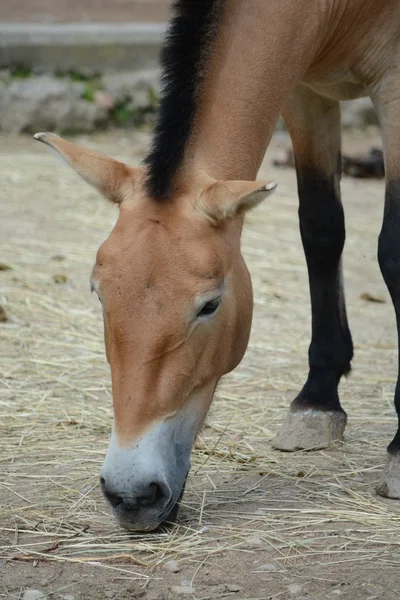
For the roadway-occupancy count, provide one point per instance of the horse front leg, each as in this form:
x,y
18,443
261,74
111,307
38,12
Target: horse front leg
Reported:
x,y
316,417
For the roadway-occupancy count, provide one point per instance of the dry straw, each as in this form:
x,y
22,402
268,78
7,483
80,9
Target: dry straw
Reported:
x,y
56,412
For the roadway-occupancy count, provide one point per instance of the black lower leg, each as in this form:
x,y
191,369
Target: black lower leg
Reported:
x,y
323,235
389,262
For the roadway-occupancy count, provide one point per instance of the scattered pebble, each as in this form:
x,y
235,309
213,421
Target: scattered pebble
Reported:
x,y
3,315
223,589
4,267
182,590
231,587
173,566
294,588
60,278
268,567
33,595
237,437
254,542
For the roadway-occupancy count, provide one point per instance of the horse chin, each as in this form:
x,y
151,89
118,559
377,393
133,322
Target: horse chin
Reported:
x,y
173,514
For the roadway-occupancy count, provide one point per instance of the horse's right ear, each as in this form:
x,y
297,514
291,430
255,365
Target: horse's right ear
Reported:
x,y
113,179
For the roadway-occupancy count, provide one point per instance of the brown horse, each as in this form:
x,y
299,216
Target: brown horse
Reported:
x,y
176,294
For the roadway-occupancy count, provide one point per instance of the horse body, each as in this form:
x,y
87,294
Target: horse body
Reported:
x,y
176,294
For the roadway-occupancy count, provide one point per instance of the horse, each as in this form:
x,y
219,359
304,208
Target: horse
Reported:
x,y
175,291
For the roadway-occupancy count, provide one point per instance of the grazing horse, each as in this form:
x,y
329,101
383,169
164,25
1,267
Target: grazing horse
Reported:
x,y
176,294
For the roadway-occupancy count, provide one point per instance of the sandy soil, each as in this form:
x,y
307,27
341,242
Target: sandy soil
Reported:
x,y
255,523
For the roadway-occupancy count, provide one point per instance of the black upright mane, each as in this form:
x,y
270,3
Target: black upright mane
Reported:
x,y
183,60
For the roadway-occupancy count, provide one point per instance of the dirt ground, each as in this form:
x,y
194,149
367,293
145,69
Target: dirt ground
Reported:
x,y
255,523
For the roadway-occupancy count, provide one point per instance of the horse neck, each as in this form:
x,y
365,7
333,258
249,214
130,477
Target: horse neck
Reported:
x,y
261,52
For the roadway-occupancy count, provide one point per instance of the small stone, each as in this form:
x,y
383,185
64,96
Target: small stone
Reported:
x,y
294,588
5,267
238,437
182,590
254,542
60,278
173,566
3,315
231,587
268,567
33,595
337,592
67,597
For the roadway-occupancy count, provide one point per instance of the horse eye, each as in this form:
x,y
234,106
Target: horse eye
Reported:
x,y
209,308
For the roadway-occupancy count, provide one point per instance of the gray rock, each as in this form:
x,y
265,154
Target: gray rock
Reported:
x,y
254,542
38,103
33,595
173,566
294,588
268,567
182,590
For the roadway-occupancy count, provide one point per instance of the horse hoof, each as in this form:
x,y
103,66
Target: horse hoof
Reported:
x,y
389,484
310,430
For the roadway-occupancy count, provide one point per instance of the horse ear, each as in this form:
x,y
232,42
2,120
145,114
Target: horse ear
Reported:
x,y
113,179
226,199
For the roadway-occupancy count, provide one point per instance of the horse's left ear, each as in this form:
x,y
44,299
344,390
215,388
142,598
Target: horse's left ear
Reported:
x,y
113,179
226,199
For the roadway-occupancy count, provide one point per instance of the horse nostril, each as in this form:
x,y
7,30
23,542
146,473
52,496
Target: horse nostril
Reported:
x,y
152,495
113,499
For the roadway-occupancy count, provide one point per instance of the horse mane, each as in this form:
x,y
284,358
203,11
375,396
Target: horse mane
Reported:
x,y
184,58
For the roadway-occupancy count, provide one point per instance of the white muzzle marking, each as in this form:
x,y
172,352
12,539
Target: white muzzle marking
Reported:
x,y
162,457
